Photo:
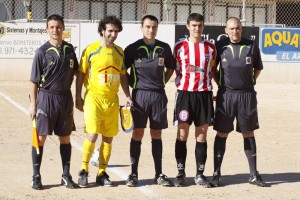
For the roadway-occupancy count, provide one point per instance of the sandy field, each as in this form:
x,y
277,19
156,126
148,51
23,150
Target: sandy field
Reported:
x,y
278,145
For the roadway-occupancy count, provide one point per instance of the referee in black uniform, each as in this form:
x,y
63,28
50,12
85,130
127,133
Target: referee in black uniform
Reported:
x,y
53,69
240,65
151,65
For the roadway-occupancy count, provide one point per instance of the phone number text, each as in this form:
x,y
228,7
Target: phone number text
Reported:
x,y
17,50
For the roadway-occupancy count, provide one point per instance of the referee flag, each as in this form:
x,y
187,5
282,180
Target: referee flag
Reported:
x,y
35,137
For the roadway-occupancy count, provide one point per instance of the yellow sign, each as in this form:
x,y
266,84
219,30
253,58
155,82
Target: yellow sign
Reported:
x,y
2,30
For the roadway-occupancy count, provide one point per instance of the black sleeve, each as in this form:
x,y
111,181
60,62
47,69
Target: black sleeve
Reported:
x,y
257,62
37,66
170,61
218,53
76,65
128,56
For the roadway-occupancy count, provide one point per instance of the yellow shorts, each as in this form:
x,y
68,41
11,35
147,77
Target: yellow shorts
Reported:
x,y
101,114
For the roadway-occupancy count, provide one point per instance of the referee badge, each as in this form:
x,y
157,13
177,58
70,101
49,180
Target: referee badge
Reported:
x,y
248,60
161,61
71,63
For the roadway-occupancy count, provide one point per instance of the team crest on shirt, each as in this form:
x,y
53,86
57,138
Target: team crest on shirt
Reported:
x,y
184,115
71,63
161,61
248,60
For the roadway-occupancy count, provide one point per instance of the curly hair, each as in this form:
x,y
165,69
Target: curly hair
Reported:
x,y
112,19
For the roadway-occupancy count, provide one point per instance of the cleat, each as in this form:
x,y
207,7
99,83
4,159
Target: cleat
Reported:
x,y
179,180
200,179
132,180
162,180
103,180
255,179
215,180
67,181
83,178
37,182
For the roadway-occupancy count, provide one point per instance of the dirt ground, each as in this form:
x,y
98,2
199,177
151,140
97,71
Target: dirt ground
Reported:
x,y
278,145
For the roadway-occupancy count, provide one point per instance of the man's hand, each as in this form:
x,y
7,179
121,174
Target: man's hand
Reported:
x,y
32,110
128,101
79,103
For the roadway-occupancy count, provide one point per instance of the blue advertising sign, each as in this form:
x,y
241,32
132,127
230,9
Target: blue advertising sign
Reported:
x,y
281,43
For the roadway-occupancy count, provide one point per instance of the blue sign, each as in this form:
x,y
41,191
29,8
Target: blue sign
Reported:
x,y
282,43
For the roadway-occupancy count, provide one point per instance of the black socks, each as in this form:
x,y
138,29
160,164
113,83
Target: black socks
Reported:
x,y
180,155
135,152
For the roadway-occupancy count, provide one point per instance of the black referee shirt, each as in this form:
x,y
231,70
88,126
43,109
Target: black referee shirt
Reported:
x,y
237,62
53,68
147,64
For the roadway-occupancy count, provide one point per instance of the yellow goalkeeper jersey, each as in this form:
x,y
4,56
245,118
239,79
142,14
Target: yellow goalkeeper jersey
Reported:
x,y
102,67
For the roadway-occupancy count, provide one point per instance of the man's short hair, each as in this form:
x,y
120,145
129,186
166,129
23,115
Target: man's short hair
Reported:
x,y
111,19
195,17
151,17
55,17
237,19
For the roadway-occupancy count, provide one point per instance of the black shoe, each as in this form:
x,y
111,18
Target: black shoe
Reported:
x,y
67,181
37,182
132,180
200,179
179,180
103,180
83,178
215,180
255,179
162,180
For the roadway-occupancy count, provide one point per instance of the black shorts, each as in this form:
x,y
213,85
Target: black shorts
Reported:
x,y
55,113
150,104
194,107
239,105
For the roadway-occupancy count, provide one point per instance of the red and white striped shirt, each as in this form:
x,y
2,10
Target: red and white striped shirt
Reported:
x,y
195,62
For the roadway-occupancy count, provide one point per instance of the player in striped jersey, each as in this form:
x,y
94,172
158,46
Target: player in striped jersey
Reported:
x,y
195,63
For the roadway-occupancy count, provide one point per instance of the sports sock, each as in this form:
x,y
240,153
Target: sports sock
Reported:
x,y
250,151
180,155
157,155
65,153
36,159
135,152
219,151
201,156
88,149
104,156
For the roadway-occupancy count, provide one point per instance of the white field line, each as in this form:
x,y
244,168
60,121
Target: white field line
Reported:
x,y
148,192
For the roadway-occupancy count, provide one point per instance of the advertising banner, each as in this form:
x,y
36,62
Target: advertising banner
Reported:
x,y
21,40
215,33
280,44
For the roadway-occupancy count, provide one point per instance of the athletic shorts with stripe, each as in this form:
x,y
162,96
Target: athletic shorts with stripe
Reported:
x,y
239,105
150,104
55,113
101,114
194,107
